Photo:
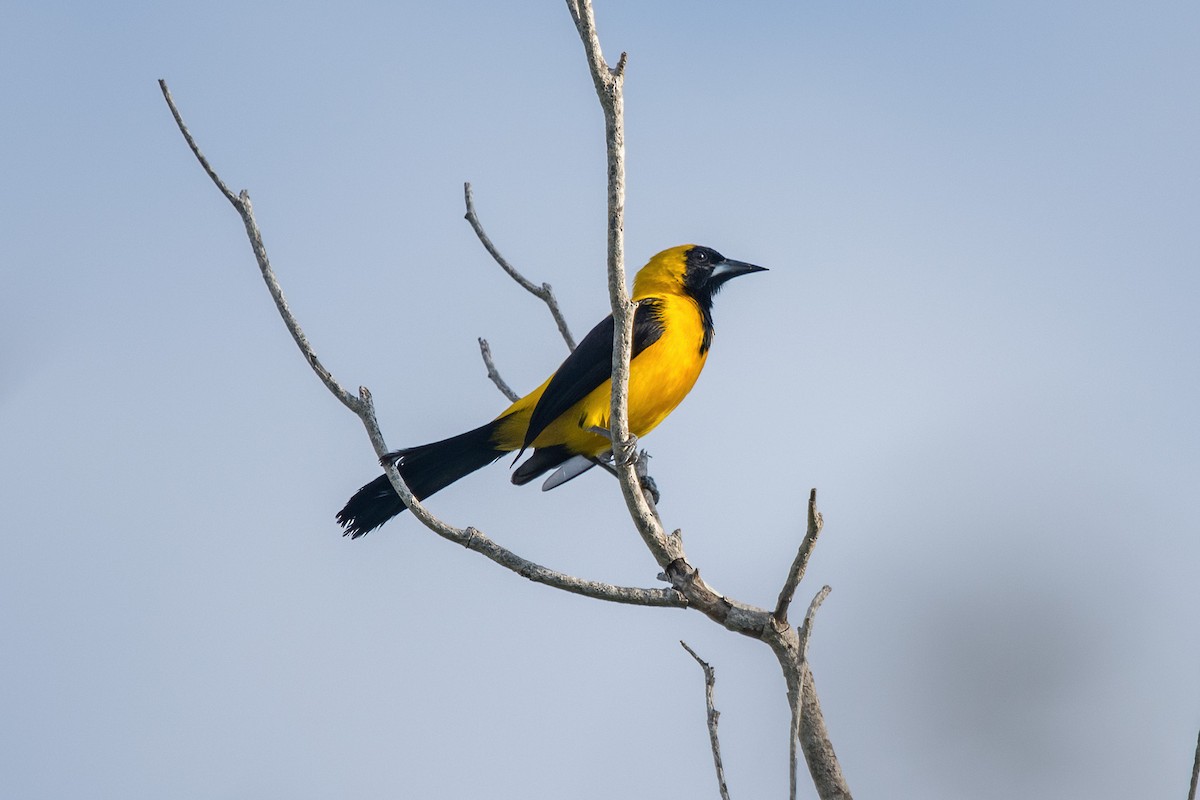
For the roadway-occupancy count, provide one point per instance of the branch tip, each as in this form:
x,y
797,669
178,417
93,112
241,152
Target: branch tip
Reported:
x,y
543,293
713,716
800,563
806,629
1195,771
704,664
493,374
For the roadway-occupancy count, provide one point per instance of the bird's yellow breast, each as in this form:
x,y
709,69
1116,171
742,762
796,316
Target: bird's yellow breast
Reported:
x,y
659,378
660,375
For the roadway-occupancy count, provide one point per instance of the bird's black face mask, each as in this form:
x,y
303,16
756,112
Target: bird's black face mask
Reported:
x,y
707,271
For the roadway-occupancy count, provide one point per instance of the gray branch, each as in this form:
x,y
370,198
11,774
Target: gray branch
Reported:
x,y
714,716
609,82
543,292
815,523
817,741
493,374
241,202
1195,771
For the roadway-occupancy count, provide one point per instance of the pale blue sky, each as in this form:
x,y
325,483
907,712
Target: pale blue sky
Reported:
x,y
978,340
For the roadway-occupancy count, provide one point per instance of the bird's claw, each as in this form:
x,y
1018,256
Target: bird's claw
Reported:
x,y
627,452
650,487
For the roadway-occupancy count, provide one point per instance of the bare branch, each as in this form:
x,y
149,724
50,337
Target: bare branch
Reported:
x,y
806,629
1195,771
241,202
823,765
187,135
710,681
493,374
809,723
815,523
664,598
543,292
476,540
608,82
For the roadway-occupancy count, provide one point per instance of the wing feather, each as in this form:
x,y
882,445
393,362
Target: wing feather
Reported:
x,y
590,365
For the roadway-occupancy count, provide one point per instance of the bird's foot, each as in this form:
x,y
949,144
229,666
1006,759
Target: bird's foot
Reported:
x,y
641,468
626,452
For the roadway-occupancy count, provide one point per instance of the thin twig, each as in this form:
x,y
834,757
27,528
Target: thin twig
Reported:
x,y
241,202
714,716
806,629
1195,771
815,523
543,292
187,135
493,374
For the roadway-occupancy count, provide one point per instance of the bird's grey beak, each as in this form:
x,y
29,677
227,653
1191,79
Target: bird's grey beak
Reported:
x,y
729,269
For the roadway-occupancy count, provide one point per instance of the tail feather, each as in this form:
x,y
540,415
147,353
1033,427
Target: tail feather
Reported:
x,y
426,469
542,461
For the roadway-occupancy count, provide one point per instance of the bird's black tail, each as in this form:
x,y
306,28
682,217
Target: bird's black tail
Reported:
x,y
426,469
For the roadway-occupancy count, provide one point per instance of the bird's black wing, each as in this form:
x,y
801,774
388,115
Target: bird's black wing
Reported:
x,y
589,365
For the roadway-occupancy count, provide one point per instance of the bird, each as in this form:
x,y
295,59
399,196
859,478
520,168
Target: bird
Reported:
x,y
565,420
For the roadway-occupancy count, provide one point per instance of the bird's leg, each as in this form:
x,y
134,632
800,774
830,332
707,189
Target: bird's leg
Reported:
x,y
641,464
642,467
628,449
627,452
605,432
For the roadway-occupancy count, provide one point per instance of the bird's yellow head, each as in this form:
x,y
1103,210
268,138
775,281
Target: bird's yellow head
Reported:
x,y
691,270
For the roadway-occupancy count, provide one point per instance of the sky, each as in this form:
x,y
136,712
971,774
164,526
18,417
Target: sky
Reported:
x,y
977,339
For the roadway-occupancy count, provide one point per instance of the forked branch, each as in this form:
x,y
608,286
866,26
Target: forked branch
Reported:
x,y
493,374
713,717
796,573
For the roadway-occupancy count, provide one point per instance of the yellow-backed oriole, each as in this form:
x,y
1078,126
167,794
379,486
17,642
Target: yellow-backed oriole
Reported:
x,y
560,420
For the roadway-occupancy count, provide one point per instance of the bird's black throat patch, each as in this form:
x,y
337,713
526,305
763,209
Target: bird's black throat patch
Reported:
x,y
698,283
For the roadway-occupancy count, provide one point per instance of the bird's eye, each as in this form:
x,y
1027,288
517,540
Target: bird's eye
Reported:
x,y
704,259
